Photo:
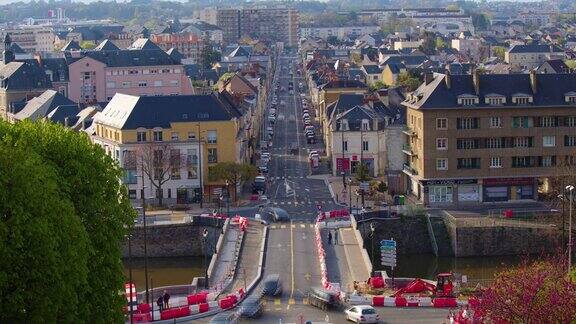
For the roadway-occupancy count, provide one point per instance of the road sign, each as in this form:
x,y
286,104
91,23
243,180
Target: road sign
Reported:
x,y
390,262
388,253
364,186
390,243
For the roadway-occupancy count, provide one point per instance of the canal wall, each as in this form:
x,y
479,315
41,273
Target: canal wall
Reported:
x,y
172,240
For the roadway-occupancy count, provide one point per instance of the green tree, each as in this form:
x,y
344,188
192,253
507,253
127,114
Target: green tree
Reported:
x,y
363,173
440,43
333,40
407,81
378,85
209,56
87,45
499,52
232,172
64,214
428,46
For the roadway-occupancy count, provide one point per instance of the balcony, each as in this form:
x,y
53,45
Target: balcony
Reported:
x,y
407,149
409,170
408,131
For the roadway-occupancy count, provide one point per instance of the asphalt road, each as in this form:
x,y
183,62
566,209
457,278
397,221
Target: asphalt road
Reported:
x,y
291,249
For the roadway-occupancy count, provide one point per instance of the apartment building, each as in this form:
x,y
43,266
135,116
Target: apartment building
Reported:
x,y
265,24
32,39
191,133
205,31
342,32
189,45
488,138
144,69
526,57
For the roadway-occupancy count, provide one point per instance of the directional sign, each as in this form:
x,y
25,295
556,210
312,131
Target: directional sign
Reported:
x,y
364,186
388,262
388,253
388,243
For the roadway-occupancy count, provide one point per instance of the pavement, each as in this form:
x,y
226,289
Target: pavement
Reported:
x,y
226,256
247,269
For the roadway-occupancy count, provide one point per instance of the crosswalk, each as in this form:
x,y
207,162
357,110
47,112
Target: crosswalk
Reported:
x,y
302,202
287,177
276,302
285,226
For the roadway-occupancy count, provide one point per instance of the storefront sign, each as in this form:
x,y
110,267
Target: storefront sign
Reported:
x,y
508,181
448,182
342,164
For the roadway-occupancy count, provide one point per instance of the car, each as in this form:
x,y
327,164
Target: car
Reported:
x,y
306,114
225,318
263,169
307,123
310,134
322,298
310,139
275,214
271,286
313,153
251,307
305,111
362,314
309,128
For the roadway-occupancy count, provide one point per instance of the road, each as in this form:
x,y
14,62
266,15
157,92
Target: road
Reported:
x,y
291,247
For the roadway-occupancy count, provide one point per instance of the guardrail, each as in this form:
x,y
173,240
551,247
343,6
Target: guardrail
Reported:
x,y
431,234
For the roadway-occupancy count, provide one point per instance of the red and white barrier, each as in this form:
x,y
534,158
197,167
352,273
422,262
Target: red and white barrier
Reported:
x,y
130,292
413,301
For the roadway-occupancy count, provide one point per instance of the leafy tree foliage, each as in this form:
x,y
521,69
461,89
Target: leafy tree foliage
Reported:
x,y
428,46
499,52
533,293
408,81
232,172
332,40
362,173
63,213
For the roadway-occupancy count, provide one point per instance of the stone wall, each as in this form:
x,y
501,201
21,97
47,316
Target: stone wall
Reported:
x,y
410,233
172,240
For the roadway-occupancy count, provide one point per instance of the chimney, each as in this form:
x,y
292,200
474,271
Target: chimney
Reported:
x,y
428,77
448,79
38,58
533,81
65,121
476,80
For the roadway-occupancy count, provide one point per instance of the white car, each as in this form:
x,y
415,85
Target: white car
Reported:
x,y
362,314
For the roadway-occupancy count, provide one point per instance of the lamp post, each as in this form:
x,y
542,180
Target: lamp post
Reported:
x,y
562,199
143,198
350,191
130,276
372,229
570,188
200,164
205,243
342,162
227,199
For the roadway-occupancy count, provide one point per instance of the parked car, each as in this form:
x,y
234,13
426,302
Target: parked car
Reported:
x,y
275,214
362,314
310,139
313,153
271,286
322,298
306,114
263,169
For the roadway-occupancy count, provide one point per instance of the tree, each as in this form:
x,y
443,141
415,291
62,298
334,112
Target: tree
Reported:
x,y
87,45
407,81
540,292
63,214
440,43
428,46
233,172
208,56
480,21
362,173
332,40
225,77
499,52
378,85
160,162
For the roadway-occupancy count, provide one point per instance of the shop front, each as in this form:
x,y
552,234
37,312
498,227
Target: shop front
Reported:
x,y
449,192
506,189
342,165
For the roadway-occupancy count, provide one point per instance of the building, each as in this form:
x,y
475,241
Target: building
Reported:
x,y
372,74
32,39
343,32
266,24
205,31
189,45
553,66
407,44
527,57
180,127
390,73
471,47
144,69
488,138
331,91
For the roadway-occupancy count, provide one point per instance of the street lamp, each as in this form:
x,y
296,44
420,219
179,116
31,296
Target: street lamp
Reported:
x,y
570,188
372,229
143,197
130,276
350,191
205,243
200,165
227,199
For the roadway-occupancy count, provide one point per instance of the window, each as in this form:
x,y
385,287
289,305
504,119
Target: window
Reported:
x,y
547,161
441,143
549,141
467,123
192,172
130,177
495,122
192,157
132,194
522,100
441,164
141,136
142,84
440,194
441,123
212,155
495,162
469,163
191,135
571,99
494,142
110,84
365,125
174,83
344,125
345,146
570,121
569,140
158,83
522,161
174,136
548,121
495,101
212,138
467,143
169,193
126,84
157,136
365,146
522,142
522,122
175,164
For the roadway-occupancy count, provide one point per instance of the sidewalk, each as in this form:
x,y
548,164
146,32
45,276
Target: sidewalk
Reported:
x,y
353,252
247,268
225,256
336,262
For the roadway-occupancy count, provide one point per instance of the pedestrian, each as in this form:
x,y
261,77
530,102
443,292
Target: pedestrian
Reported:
x,y
336,237
329,237
160,303
166,300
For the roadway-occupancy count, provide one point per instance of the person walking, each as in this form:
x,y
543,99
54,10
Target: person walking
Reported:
x,y
160,303
166,300
336,237
329,237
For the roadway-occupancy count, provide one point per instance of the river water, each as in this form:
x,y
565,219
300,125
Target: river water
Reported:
x,y
180,271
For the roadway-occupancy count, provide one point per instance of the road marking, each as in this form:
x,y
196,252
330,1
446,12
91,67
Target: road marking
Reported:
x,y
293,225
311,225
277,301
291,301
292,261
302,226
289,203
282,226
305,301
273,226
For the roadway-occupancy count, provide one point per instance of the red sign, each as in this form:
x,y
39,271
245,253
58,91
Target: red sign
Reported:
x,y
342,164
354,157
508,181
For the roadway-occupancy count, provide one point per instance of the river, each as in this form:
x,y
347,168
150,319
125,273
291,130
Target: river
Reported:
x,y
180,271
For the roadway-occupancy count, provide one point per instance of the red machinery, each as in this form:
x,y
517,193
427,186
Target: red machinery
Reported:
x,y
443,287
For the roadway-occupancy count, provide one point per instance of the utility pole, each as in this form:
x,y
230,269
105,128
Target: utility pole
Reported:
x,y
130,275
205,241
143,197
362,157
200,167
571,189
342,162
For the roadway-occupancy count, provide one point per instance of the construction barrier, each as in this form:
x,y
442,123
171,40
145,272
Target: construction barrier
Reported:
x,y
445,302
142,317
401,302
378,301
131,295
203,308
